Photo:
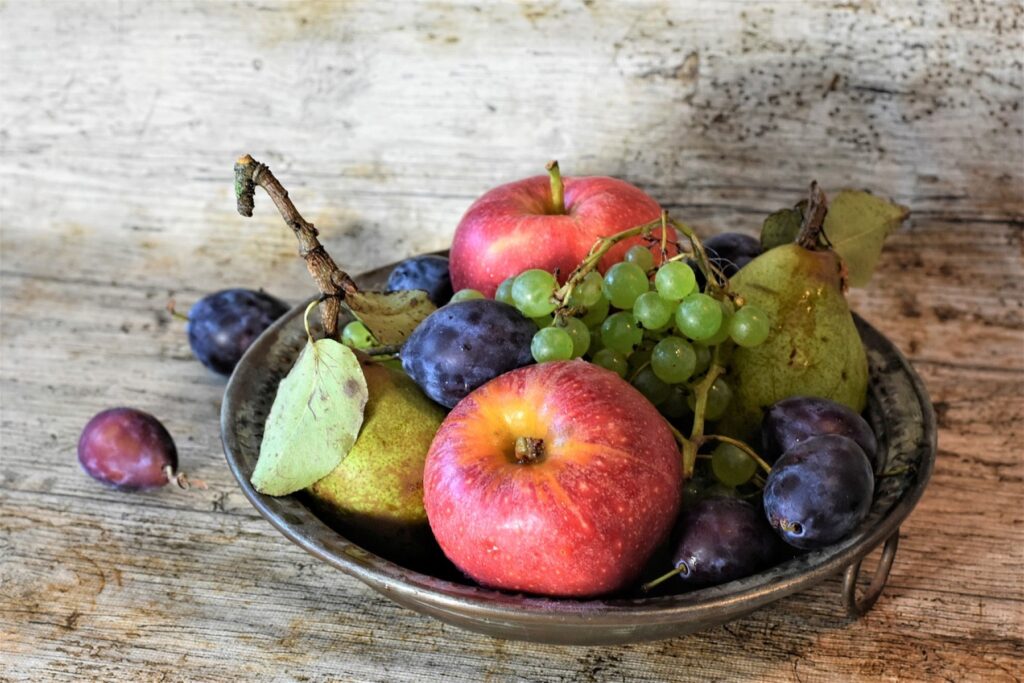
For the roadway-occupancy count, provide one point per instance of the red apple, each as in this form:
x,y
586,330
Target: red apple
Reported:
x,y
558,479
548,223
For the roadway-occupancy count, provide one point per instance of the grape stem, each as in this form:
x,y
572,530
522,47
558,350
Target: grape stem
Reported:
x,y
700,393
601,247
688,451
331,280
715,278
751,453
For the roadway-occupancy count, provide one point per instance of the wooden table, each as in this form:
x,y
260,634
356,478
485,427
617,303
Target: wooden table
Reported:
x,y
119,124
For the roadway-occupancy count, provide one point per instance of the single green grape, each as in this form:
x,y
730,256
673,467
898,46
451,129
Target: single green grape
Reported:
x,y
719,397
675,405
731,465
641,356
587,292
543,321
595,341
723,327
504,291
623,283
611,360
652,311
357,336
675,280
620,332
551,343
641,256
703,354
466,295
596,313
532,292
648,384
673,360
749,326
698,316
578,332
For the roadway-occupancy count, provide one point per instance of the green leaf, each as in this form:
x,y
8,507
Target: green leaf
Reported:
x,y
314,420
856,225
780,228
390,316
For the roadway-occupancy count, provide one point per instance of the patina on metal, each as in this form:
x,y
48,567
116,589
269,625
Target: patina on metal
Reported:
x,y
898,409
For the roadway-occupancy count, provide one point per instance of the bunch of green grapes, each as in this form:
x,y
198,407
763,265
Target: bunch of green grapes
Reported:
x,y
650,325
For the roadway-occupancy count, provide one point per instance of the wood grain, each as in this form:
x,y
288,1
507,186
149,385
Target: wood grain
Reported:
x,y
119,125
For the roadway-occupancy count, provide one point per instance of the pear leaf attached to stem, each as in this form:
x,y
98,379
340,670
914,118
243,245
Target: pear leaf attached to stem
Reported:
x,y
314,420
856,225
390,316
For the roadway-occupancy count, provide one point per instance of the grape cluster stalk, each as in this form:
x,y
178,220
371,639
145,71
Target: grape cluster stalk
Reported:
x,y
649,320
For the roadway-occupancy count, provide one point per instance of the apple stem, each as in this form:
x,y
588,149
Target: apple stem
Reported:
x,y
557,188
529,449
681,568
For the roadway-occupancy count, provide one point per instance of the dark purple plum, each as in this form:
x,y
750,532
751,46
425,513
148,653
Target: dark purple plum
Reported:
x,y
222,325
128,449
428,273
730,251
724,539
462,345
819,491
794,420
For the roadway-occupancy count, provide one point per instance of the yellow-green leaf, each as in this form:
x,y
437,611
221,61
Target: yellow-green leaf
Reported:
x,y
390,316
856,225
314,420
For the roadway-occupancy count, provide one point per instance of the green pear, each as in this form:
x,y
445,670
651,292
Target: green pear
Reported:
x,y
375,496
813,348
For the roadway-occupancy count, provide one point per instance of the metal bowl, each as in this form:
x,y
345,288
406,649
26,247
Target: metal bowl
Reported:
x,y
898,409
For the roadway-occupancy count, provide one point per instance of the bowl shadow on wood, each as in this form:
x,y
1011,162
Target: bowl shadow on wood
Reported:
x,y
898,410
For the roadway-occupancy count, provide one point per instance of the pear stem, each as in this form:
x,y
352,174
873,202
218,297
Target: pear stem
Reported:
x,y
814,219
557,188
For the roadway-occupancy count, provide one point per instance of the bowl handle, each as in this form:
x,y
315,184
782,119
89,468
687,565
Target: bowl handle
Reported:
x,y
858,607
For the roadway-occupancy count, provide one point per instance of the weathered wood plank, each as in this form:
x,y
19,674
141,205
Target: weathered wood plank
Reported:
x,y
119,123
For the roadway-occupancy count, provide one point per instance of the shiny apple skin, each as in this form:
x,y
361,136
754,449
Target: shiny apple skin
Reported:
x,y
512,228
579,522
